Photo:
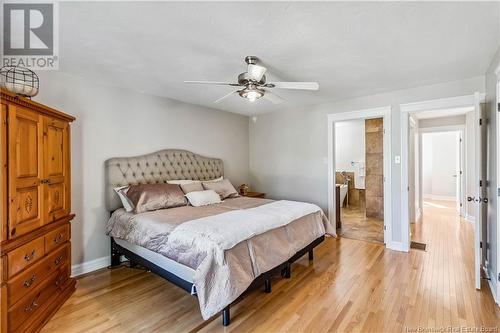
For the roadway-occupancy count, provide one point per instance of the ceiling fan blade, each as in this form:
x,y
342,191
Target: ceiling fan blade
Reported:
x,y
214,82
294,85
273,98
256,72
226,96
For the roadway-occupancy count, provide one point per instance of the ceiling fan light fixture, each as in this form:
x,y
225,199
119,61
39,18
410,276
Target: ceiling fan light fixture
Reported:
x,y
251,93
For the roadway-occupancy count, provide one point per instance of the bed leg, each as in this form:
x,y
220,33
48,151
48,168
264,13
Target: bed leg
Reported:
x,y
115,255
311,255
286,271
226,317
267,284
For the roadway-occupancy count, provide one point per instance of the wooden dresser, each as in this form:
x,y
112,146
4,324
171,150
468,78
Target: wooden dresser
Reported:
x,y
35,213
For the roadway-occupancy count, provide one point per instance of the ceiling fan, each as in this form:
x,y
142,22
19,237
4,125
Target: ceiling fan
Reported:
x,y
254,86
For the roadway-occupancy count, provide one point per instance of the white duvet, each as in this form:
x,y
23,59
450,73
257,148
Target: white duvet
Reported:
x,y
221,232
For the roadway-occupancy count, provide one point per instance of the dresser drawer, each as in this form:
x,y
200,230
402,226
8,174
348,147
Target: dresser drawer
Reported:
x,y
55,238
32,277
29,306
25,256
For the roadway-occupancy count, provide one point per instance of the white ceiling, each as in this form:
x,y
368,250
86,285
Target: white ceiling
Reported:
x,y
351,49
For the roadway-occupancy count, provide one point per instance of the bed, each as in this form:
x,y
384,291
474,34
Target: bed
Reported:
x,y
217,265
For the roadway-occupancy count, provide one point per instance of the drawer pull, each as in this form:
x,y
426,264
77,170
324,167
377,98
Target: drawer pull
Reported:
x,y
58,239
29,257
33,305
59,281
58,260
29,282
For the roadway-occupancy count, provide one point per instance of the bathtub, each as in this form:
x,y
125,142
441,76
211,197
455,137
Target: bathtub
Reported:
x,y
343,193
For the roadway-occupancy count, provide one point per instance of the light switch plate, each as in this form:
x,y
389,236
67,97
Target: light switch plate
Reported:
x,y
397,159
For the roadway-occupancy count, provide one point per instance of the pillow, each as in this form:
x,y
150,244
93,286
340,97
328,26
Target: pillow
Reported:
x,y
186,188
147,197
203,198
122,194
182,181
191,181
224,188
214,180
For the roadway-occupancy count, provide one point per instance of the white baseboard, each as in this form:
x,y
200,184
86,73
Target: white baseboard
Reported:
x,y
470,218
493,288
440,197
90,266
396,246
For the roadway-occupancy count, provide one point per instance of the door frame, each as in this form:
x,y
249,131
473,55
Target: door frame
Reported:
x,y
497,105
406,109
381,112
463,167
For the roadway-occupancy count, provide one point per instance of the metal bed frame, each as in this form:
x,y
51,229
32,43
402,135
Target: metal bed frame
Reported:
x,y
264,279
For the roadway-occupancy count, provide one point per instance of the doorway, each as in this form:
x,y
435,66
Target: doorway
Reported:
x,y
443,168
359,179
359,173
471,184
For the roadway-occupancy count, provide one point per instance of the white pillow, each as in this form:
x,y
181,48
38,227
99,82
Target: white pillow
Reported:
x,y
127,204
203,198
191,181
182,181
214,180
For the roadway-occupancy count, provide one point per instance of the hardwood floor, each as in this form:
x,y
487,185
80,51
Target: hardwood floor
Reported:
x,y
352,286
356,225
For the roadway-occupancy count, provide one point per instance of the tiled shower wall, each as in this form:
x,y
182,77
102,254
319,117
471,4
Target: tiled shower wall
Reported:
x,y
374,160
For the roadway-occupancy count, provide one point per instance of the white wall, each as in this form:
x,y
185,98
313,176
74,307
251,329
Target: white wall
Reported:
x,y
349,144
439,163
288,149
114,122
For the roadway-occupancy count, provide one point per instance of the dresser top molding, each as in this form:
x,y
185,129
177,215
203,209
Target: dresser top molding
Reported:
x,y
26,102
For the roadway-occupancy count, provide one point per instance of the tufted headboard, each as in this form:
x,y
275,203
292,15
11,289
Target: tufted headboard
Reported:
x,y
157,167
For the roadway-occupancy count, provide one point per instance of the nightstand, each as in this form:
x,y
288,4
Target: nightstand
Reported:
x,y
254,195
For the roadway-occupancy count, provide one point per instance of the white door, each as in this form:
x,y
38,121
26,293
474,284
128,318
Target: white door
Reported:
x,y
480,198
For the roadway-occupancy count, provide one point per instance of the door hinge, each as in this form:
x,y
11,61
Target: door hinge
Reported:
x,y
480,245
498,106
480,183
498,191
460,204
498,276
384,130
480,121
385,227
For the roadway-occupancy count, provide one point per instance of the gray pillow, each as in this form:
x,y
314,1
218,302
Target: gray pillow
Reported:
x,y
147,197
191,187
224,188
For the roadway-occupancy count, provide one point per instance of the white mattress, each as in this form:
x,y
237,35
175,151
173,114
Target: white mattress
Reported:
x,y
184,272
